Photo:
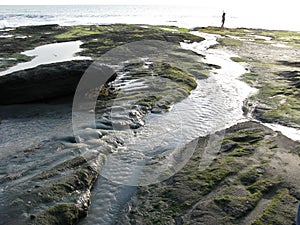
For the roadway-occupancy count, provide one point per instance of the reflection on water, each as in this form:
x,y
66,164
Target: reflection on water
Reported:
x,y
215,103
27,125
290,132
50,53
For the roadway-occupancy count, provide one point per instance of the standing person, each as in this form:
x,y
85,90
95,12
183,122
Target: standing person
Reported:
x,y
298,215
223,19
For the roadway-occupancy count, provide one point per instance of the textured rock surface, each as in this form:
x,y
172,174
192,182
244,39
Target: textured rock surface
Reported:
x,y
49,184
42,83
251,180
272,61
60,79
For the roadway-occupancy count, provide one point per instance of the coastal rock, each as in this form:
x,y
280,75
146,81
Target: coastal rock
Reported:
x,y
60,79
53,185
42,83
35,36
275,77
249,171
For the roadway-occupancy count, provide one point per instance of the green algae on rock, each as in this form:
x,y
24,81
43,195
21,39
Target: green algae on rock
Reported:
x,y
271,59
51,195
227,191
100,39
282,210
63,213
97,41
57,191
8,60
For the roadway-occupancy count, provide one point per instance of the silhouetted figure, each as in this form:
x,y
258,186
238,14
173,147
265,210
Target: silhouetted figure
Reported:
x,y
223,19
298,215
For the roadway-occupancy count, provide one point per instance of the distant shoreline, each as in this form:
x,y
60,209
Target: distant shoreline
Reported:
x,y
184,16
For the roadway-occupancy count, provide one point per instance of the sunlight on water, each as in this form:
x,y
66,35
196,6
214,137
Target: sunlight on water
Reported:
x,y
46,54
269,15
215,104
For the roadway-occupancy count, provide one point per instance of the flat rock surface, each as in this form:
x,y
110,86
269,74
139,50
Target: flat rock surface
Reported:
x,y
252,180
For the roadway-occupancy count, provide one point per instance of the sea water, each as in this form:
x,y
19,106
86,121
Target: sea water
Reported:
x,y
239,14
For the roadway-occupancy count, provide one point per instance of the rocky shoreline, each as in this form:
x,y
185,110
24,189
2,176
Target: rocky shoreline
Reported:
x,y
42,82
270,58
53,180
252,180
59,195
61,79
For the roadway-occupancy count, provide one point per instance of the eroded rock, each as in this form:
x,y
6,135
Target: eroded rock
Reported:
x,y
42,83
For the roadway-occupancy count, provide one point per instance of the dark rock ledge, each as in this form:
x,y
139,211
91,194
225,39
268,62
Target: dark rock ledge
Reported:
x,y
41,83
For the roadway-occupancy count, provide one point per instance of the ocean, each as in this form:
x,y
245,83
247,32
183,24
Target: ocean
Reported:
x,y
183,16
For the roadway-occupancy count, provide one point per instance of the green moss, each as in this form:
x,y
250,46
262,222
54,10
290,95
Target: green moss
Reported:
x,y
240,152
278,92
97,39
186,81
288,112
250,176
177,197
149,101
8,60
284,103
79,31
229,42
236,202
86,177
63,183
268,91
69,164
100,39
35,36
205,181
238,59
60,188
269,65
287,36
251,79
280,98
273,146
243,143
228,189
164,85
281,211
244,137
60,214
240,32
53,192
263,185
172,28
200,74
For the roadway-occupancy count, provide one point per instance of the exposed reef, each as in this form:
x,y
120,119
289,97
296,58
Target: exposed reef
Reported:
x,y
252,180
270,57
51,182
